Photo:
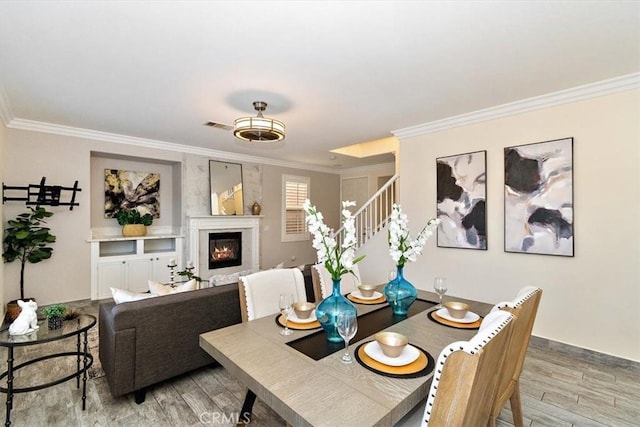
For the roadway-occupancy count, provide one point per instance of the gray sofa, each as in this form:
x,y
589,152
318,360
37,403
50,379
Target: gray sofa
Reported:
x,y
151,340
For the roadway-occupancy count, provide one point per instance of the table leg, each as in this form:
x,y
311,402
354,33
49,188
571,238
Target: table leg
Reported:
x,y
9,385
247,407
84,374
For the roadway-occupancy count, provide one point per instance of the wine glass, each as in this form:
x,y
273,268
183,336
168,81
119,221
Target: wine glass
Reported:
x,y
286,301
347,328
440,286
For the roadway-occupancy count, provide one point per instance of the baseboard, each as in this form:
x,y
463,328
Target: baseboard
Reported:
x,y
586,354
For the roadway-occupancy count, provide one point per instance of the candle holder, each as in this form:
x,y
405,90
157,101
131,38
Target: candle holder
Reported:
x,y
172,267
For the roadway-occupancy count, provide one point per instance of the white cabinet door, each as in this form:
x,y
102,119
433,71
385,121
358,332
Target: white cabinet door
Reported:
x,y
111,274
138,273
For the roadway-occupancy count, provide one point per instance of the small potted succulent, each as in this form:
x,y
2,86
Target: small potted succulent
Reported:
x,y
55,315
133,223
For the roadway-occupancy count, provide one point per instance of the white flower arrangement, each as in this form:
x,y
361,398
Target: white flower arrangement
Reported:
x,y
401,247
337,260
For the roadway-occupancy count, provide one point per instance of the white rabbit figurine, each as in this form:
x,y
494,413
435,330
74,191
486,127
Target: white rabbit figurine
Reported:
x,y
27,320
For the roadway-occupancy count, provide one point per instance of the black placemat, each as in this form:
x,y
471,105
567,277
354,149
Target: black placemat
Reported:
x,y
424,371
316,345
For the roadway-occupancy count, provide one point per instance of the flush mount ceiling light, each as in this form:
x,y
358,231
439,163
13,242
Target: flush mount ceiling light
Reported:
x,y
258,128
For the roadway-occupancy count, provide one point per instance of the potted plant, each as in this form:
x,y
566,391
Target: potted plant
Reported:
x,y
26,239
133,223
55,314
189,275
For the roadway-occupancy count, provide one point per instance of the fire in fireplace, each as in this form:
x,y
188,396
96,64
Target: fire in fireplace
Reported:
x,y
225,250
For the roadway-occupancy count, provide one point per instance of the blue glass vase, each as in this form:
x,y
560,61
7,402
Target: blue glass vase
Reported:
x,y
400,294
328,309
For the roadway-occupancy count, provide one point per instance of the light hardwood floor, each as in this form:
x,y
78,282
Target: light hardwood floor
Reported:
x,y
560,385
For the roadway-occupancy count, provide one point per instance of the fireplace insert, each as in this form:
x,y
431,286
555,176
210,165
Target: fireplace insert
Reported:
x,y
225,249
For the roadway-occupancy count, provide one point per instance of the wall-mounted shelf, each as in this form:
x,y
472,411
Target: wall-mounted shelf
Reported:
x,y
40,194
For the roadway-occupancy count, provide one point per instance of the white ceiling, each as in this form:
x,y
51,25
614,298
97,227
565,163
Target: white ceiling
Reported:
x,y
336,72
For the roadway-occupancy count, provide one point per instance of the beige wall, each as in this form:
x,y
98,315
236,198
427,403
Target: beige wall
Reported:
x,y
325,195
591,300
62,159
3,143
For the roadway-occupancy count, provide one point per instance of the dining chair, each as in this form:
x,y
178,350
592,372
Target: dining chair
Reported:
x,y
259,297
260,292
323,285
465,377
524,307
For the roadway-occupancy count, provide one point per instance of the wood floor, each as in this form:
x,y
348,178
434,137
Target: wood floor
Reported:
x,y
559,388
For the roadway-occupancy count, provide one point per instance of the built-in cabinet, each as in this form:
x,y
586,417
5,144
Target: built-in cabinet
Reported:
x,y
129,263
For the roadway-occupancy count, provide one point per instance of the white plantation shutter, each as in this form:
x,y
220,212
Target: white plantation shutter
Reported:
x,y
296,190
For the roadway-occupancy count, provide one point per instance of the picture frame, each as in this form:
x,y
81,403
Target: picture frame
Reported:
x,y
538,198
225,184
462,200
126,190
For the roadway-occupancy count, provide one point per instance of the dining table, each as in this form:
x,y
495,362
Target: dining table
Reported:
x,y
302,378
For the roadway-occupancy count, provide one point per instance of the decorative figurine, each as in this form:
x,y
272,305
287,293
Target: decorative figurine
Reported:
x,y
27,320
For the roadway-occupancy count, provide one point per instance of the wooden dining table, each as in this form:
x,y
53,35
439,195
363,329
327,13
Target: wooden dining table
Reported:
x,y
327,392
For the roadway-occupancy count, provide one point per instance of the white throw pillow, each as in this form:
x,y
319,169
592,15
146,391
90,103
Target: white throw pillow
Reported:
x,y
120,295
159,289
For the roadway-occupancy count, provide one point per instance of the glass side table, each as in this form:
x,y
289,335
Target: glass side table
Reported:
x,y
75,327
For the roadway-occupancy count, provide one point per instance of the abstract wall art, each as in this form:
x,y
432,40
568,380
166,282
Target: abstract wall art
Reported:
x,y
538,198
462,200
125,190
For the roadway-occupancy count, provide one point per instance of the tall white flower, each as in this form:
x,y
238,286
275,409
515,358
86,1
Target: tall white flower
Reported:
x,y
401,247
337,260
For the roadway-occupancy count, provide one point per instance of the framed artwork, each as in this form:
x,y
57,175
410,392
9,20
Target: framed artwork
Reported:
x,y
125,189
462,200
538,198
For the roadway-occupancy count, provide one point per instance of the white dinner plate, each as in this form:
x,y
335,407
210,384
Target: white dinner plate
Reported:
x,y
409,355
470,317
358,295
311,318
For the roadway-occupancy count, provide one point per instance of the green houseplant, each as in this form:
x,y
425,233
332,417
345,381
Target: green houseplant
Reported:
x,y
27,239
133,223
55,315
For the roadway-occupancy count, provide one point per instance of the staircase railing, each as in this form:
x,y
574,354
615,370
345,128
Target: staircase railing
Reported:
x,y
374,214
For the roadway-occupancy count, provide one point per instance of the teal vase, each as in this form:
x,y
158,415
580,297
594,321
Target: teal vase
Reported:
x,y
400,294
328,309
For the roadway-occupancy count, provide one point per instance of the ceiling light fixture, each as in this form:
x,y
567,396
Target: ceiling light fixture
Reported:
x,y
258,128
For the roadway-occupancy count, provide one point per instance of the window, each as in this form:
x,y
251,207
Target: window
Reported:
x,y
295,190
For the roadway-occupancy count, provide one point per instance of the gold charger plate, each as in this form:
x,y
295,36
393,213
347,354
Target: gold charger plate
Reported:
x,y
438,319
421,366
367,301
296,325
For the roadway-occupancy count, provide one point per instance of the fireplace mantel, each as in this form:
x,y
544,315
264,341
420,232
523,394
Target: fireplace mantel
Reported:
x,y
250,223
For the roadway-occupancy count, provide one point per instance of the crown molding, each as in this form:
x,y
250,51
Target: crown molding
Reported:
x,y
6,115
36,126
579,93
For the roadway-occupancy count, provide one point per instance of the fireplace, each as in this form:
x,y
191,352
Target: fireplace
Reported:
x,y
225,249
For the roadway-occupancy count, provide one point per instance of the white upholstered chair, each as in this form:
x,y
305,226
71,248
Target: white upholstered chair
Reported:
x,y
465,378
260,292
524,307
323,285
259,297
